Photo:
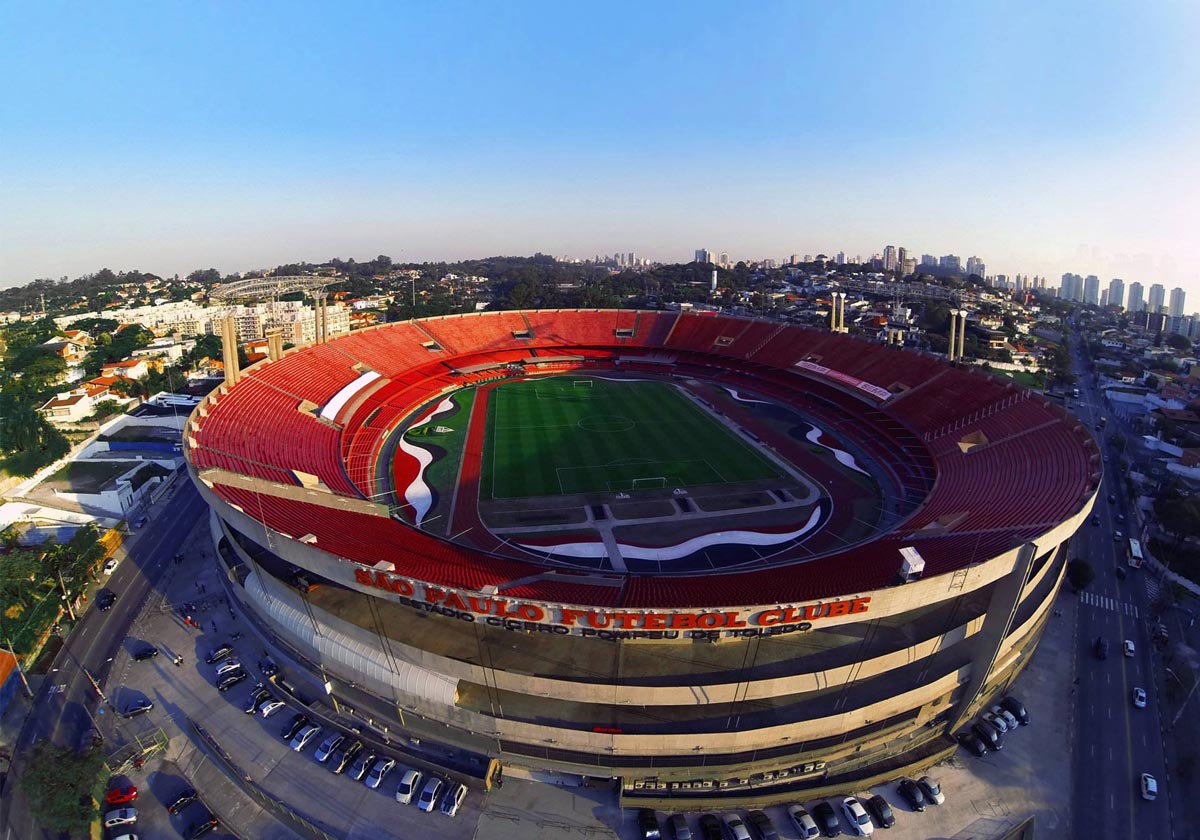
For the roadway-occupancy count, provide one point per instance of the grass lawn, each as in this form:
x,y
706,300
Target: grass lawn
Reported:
x,y
563,435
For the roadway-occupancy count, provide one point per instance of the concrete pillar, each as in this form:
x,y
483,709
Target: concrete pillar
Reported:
x,y
842,312
324,319
833,324
274,344
953,325
962,331
229,349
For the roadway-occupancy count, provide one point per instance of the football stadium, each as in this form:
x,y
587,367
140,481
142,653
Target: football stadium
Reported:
x,y
711,557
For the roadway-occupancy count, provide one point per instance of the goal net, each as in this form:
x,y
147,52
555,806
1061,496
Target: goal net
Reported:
x,y
650,483
582,383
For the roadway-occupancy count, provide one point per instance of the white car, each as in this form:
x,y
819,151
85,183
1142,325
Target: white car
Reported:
x,y
1008,717
410,782
1139,698
429,794
304,736
806,826
1130,650
228,667
858,817
995,720
270,707
1149,787
453,798
382,767
932,790
121,816
734,827
110,565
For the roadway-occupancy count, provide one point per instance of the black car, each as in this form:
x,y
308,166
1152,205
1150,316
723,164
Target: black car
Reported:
x,y
881,811
989,734
230,680
183,800
219,653
761,825
827,819
677,827
342,759
268,667
257,695
364,762
710,828
147,652
1101,647
971,743
1017,708
105,600
299,720
648,824
203,827
912,794
137,707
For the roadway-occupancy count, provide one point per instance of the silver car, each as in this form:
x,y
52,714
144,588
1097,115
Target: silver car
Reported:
x,y
304,736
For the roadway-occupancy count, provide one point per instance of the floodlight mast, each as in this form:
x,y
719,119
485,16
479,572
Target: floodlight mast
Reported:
x,y
254,289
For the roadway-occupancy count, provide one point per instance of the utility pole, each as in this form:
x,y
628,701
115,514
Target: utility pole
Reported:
x,y
66,597
20,670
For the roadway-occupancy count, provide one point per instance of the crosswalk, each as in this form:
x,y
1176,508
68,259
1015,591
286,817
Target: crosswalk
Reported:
x,y
1106,603
1151,583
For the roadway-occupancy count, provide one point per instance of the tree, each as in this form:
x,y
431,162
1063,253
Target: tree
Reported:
x,y
1080,574
62,787
1177,342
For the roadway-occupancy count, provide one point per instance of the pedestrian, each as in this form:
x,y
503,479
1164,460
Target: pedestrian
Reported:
x,y
178,661
214,626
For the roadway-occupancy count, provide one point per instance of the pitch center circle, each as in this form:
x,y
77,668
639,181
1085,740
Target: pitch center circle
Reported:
x,y
606,423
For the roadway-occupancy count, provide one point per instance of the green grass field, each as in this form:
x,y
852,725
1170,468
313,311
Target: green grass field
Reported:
x,y
549,437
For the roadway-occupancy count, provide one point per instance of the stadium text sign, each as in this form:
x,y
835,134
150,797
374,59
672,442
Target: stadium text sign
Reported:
x,y
608,624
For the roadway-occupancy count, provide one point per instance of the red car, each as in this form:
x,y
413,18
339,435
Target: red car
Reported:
x,y
119,796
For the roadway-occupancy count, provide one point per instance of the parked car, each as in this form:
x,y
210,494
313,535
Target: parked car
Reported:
x,y
270,706
761,825
301,739
203,827
299,720
932,790
230,680
410,783
1149,787
458,792
183,800
379,772
912,794
257,695
989,734
1139,698
227,667
362,764
677,827
137,707
710,828
144,653
345,757
121,795
119,817
881,811
1010,720
1017,708
805,825
218,653
995,720
858,817
105,600
971,743
735,828
328,746
110,565
827,819
429,794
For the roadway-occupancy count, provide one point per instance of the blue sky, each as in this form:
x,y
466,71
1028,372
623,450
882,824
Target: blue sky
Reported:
x,y
1043,137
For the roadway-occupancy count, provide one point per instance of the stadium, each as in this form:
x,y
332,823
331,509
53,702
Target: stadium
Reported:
x,y
713,557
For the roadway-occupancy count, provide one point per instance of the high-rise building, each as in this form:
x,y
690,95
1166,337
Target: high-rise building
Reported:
x,y
908,266
929,259
1103,297
1135,298
901,255
890,258
1091,290
1156,297
975,266
1176,308
1116,292
1072,287
841,257
950,262
723,259
703,255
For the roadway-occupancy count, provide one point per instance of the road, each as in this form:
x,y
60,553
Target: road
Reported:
x,y
68,702
1115,742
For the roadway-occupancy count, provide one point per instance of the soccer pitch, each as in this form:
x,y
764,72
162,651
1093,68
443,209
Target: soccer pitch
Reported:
x,y
563,435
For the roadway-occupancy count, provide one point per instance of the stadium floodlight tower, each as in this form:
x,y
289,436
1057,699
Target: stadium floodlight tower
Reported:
x,y
255,289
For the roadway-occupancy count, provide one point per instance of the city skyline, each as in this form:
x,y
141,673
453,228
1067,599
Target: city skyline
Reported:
x,y
560,130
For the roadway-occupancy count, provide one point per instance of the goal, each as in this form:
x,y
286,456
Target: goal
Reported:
x,y
581,383
650,483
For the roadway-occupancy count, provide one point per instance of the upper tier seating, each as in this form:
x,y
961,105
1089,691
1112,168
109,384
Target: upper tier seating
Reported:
x,y
478,333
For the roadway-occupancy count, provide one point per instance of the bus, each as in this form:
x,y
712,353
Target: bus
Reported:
x,y
1135,554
